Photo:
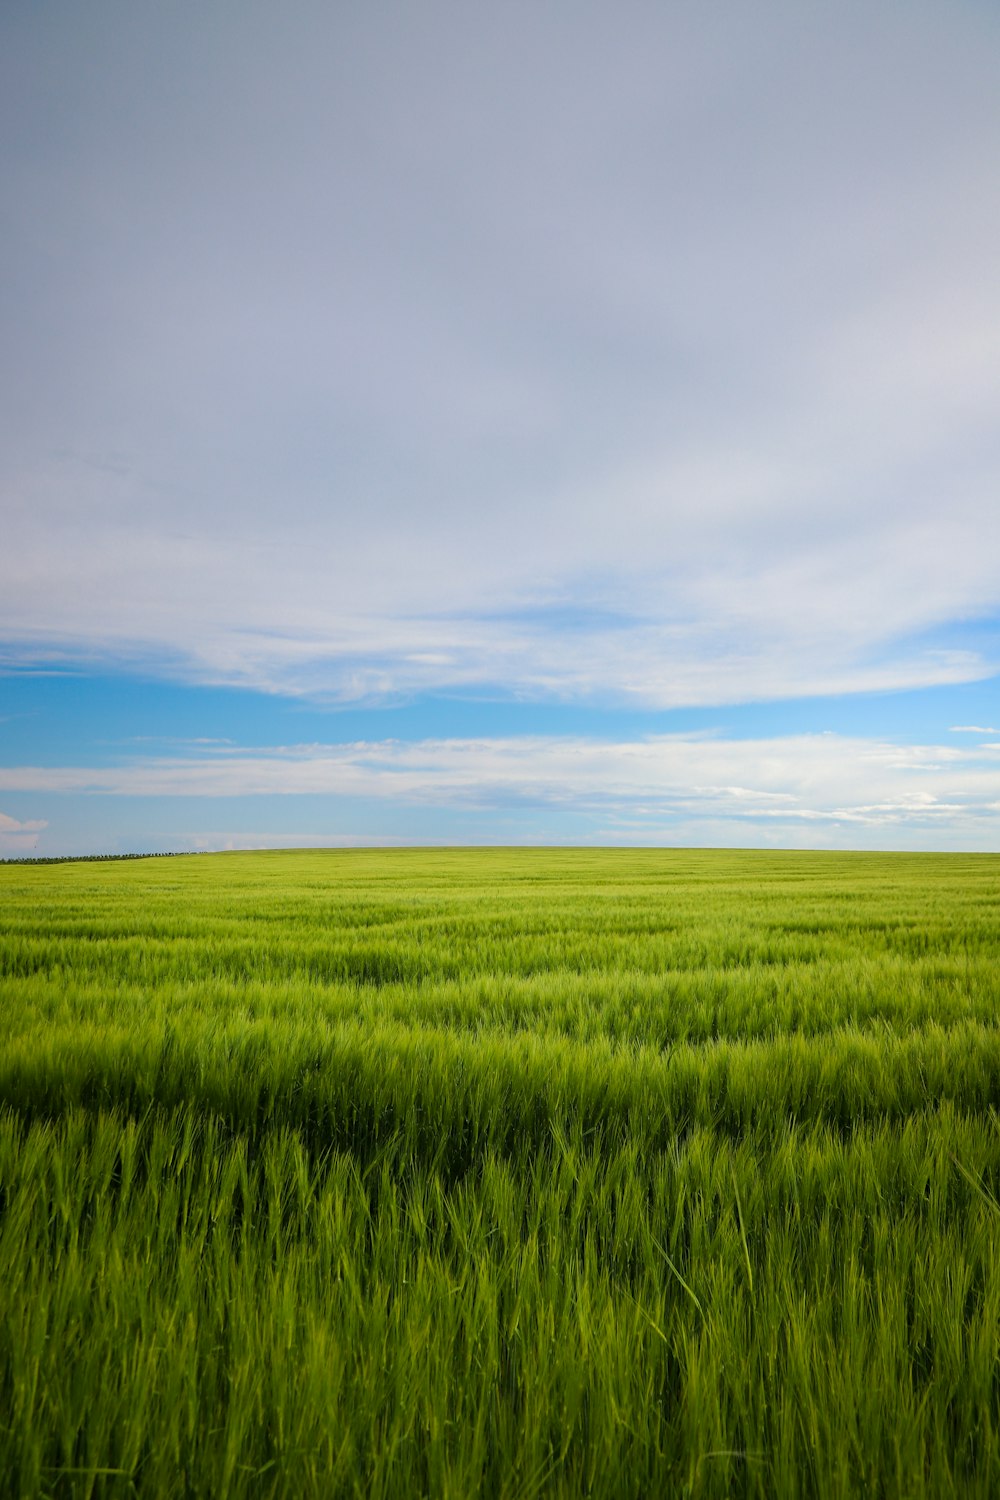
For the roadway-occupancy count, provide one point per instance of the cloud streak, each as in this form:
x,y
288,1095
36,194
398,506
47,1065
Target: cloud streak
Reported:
x,y
806,785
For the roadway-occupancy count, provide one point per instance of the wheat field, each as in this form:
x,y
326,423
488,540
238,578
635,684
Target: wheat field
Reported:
x,y
500,1172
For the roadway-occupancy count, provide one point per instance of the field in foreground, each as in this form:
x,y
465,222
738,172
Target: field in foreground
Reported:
x,y
630,1173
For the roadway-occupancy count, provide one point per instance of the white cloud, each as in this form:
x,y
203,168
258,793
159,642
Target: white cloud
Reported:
x,y
350,379
705,659
11,825
803,787
972,729
19,839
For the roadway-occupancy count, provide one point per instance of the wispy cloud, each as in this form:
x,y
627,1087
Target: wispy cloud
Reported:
x,y
806,783
18,839
11,825
699,661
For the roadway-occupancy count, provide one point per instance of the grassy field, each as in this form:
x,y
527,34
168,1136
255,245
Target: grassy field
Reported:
x,y
513,1173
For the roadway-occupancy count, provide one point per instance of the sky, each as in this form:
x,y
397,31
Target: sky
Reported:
x,y
540,423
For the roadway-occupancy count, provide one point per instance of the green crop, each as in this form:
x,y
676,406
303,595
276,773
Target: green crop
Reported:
x,y
501,1173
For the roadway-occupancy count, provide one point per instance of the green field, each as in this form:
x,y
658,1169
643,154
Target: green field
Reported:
x,y
513,1173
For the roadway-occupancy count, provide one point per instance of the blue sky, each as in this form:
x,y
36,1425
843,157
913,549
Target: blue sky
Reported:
x,y
546,424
